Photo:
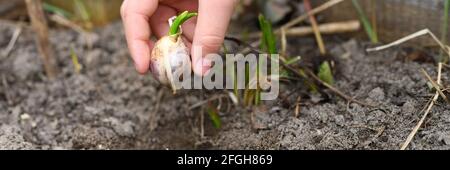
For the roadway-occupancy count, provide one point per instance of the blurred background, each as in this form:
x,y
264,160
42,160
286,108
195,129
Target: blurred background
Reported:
x,y
391,19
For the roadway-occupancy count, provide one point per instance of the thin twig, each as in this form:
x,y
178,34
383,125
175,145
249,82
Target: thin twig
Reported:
x,y
88,36
202,122
445,65
324,28
314,11
335,90
435,85
6,92
61,20
315,27
430,106
283,42
410,37
12,42
201,103
297,107
39,24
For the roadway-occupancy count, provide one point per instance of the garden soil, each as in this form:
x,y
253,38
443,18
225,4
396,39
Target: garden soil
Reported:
x,y
109,106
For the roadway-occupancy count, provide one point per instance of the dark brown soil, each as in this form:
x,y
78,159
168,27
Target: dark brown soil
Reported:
x,y
110,106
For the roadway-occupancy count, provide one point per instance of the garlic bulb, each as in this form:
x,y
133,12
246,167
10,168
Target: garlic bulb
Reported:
x,y
169,56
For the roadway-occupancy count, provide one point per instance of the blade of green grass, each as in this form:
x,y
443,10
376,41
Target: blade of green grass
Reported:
x,y
81,8
85,16
367,26
54,9
292,60
269,45
76,63
268,37
214,116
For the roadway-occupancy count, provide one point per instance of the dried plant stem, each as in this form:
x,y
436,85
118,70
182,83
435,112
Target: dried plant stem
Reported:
x,y
61,20
201,103
435,85
314,11
410,37
430,106
283,43
299,19
12,42
325,28
39,24
315,27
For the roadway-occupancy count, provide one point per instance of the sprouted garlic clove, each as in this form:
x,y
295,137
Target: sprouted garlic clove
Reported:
x,y
170,56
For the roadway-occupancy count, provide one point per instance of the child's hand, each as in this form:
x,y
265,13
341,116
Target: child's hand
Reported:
x,y
143,18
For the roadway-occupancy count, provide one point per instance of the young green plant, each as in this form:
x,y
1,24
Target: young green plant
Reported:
x,y
85,16
268,44
325,73
365,21
214,115
76,64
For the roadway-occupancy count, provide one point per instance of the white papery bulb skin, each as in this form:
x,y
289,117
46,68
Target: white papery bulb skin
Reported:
x,y
170,55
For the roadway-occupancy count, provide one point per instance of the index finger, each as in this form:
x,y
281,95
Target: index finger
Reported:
x,y
136,16
212,24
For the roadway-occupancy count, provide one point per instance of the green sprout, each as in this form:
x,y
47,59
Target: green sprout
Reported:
x,y
268,44
57,10
214,116
183,17
365,21
76,64
325,73
268,39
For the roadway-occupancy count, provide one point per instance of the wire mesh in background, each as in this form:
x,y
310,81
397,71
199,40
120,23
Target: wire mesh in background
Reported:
x,y
395,18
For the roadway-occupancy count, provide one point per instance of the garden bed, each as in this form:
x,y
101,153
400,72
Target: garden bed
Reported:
x,y
109,106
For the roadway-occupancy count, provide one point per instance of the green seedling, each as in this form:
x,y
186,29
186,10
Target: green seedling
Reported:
x,y
183,17
268,39
325,73
81,9
365,21
268,44
76,64
214,116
